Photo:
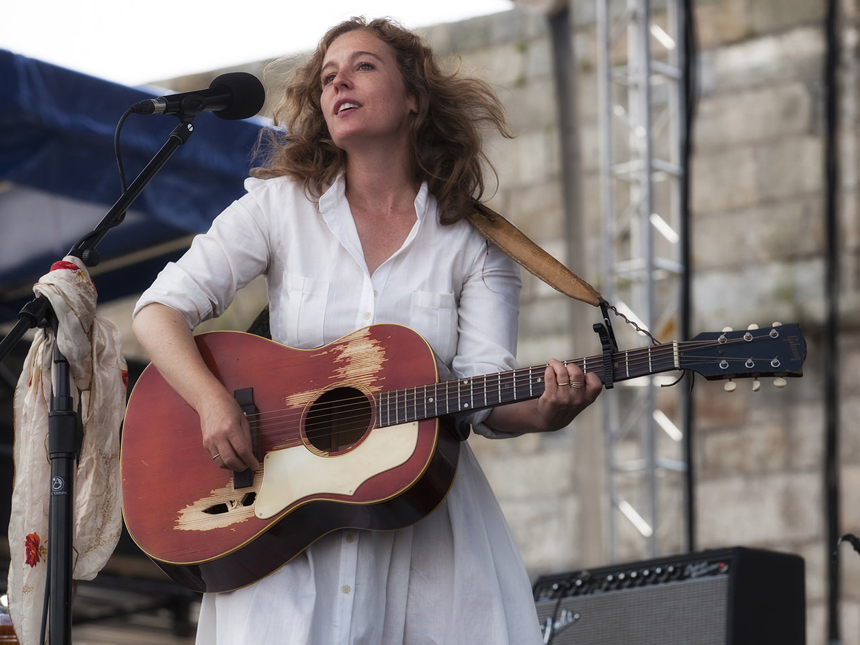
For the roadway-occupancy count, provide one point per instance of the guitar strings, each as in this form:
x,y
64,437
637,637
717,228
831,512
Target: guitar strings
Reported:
x,y
274,420
401,397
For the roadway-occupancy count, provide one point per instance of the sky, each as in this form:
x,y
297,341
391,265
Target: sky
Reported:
x,y
134,43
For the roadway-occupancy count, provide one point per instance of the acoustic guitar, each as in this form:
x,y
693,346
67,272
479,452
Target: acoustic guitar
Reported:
x,y
348,435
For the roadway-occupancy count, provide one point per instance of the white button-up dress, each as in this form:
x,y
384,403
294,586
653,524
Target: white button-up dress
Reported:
x,y
456,577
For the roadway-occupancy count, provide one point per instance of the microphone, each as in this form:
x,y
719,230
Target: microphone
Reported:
x,y
237,95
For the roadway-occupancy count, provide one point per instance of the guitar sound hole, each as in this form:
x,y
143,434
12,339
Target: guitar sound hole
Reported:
x,y
338,419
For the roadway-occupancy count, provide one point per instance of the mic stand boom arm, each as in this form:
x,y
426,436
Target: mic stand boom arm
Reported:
x,y
61,420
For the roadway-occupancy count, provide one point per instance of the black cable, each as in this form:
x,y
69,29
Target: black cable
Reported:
x,y
100,230
689,47
831,353
117,151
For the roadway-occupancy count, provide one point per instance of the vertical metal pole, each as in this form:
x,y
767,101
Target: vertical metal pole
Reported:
x,y
604,82
633,265
61,451
643,85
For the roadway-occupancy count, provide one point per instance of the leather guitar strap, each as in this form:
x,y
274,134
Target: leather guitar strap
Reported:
x,y
529,255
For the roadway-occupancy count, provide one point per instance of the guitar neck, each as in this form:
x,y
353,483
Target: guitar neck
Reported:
x,y
480,392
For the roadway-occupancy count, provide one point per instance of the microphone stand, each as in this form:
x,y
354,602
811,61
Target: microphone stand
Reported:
x,y
61,418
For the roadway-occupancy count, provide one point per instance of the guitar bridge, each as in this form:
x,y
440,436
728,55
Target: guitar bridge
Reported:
x,y
245,399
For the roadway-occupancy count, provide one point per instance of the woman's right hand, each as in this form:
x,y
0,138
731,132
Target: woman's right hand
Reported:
x,y
226,433
170,344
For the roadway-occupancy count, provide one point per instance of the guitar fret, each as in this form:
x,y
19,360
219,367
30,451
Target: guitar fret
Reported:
x,y
440,396
504,394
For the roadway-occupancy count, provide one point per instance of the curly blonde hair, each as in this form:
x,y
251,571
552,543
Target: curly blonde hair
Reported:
x,y
446,145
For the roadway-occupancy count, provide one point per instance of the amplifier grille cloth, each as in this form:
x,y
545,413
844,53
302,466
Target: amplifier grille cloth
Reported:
x,y
678,613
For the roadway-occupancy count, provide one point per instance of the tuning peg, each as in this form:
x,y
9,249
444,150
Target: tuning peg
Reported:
x,y
756,386
727,329
730,386
752,326
779,382
776,324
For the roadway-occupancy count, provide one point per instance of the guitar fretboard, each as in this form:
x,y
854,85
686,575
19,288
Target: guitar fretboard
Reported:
x,y
466,395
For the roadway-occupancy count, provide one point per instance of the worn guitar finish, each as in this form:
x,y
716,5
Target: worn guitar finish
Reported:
x,y
347,436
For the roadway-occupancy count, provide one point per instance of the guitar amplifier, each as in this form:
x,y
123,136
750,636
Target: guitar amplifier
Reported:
x,y
734,596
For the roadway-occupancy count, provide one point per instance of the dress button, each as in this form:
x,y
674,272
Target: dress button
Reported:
x,y
346,589
367,315
349,537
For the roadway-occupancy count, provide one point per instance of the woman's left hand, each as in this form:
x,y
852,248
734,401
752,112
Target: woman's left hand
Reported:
x,y
567,392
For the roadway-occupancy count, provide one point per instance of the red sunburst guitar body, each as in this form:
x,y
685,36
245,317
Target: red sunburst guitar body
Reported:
x,y
325,462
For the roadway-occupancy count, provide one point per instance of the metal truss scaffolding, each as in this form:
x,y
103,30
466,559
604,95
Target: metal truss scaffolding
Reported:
x,y
642,121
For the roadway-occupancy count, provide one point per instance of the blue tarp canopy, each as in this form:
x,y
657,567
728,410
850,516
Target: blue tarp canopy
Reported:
x,y
59,178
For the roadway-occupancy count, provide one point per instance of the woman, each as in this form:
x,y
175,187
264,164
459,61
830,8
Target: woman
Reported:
x,y
358,219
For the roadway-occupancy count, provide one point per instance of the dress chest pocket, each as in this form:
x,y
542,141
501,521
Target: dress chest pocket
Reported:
x,y
304,311
434,316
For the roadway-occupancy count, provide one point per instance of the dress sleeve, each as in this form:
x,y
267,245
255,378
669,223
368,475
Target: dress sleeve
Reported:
x,y
203,282
488,312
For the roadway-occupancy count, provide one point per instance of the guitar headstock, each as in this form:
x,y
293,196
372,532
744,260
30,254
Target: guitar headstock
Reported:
x,y
773,351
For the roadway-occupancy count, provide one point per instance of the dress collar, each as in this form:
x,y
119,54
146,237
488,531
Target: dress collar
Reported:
x,y
335,197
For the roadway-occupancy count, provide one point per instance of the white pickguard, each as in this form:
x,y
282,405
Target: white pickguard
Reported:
x,y
293,473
